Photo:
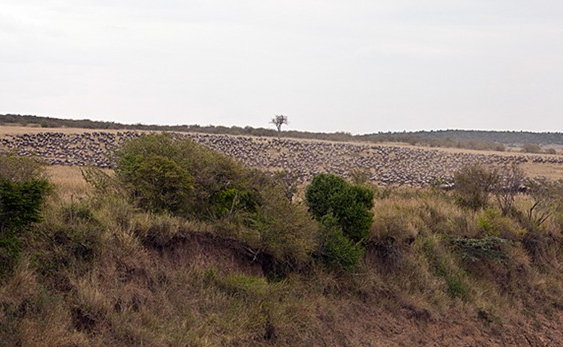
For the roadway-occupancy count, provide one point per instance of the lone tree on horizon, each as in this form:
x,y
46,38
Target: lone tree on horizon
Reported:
x,y
278,121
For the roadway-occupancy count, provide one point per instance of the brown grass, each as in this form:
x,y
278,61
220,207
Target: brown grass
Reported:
x,y
547,170
68,181
195,290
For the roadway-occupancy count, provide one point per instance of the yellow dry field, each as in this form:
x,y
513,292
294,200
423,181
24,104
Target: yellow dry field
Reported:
x,y
68,181
549,171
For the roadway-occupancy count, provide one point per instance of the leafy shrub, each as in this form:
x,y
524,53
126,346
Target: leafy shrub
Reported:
x,y
344,211
158,182
337,250
170,173
350,204
22,193
20,202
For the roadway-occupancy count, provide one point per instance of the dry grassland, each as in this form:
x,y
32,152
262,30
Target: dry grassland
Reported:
x,y
69,182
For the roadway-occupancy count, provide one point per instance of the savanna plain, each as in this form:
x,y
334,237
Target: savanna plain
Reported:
x,y
193,241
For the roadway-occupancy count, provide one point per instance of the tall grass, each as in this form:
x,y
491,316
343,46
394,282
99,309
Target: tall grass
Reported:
x,y
101,271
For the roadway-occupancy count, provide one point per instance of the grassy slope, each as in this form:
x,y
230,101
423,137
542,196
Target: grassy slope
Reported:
x,y
98,272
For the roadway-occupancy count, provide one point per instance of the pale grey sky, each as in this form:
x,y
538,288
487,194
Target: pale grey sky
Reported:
x,y
355,66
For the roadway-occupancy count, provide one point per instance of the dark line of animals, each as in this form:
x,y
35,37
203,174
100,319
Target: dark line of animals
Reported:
x,y
385,165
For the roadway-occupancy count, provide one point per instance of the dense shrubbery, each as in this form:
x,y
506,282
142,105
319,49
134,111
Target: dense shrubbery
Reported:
x,y
336,249
474,184
165,173
175,175
344,209
22,192
350,204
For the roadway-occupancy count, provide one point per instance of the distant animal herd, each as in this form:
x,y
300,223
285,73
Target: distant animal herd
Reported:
x,y
382,164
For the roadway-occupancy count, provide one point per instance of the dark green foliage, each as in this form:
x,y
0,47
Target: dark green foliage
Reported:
x,y
20,202
344,211
337,250
158,182
22,193
230,200
350,204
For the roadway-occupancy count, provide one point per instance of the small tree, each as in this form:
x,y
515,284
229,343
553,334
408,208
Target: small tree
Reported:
x,y
506,188
278,121
473,184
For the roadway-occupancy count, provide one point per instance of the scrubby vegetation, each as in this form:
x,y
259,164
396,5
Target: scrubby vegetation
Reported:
x,y
22,193
184,247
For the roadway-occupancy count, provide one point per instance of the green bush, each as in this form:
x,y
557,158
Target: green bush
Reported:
x,y
170,173
344,210
20,202
350,204
22,193
493,223
338,251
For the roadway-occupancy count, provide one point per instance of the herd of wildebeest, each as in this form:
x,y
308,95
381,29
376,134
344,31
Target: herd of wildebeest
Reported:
x,y
382,164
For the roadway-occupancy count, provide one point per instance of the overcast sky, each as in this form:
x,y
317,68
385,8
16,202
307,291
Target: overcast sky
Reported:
x,y
354,66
